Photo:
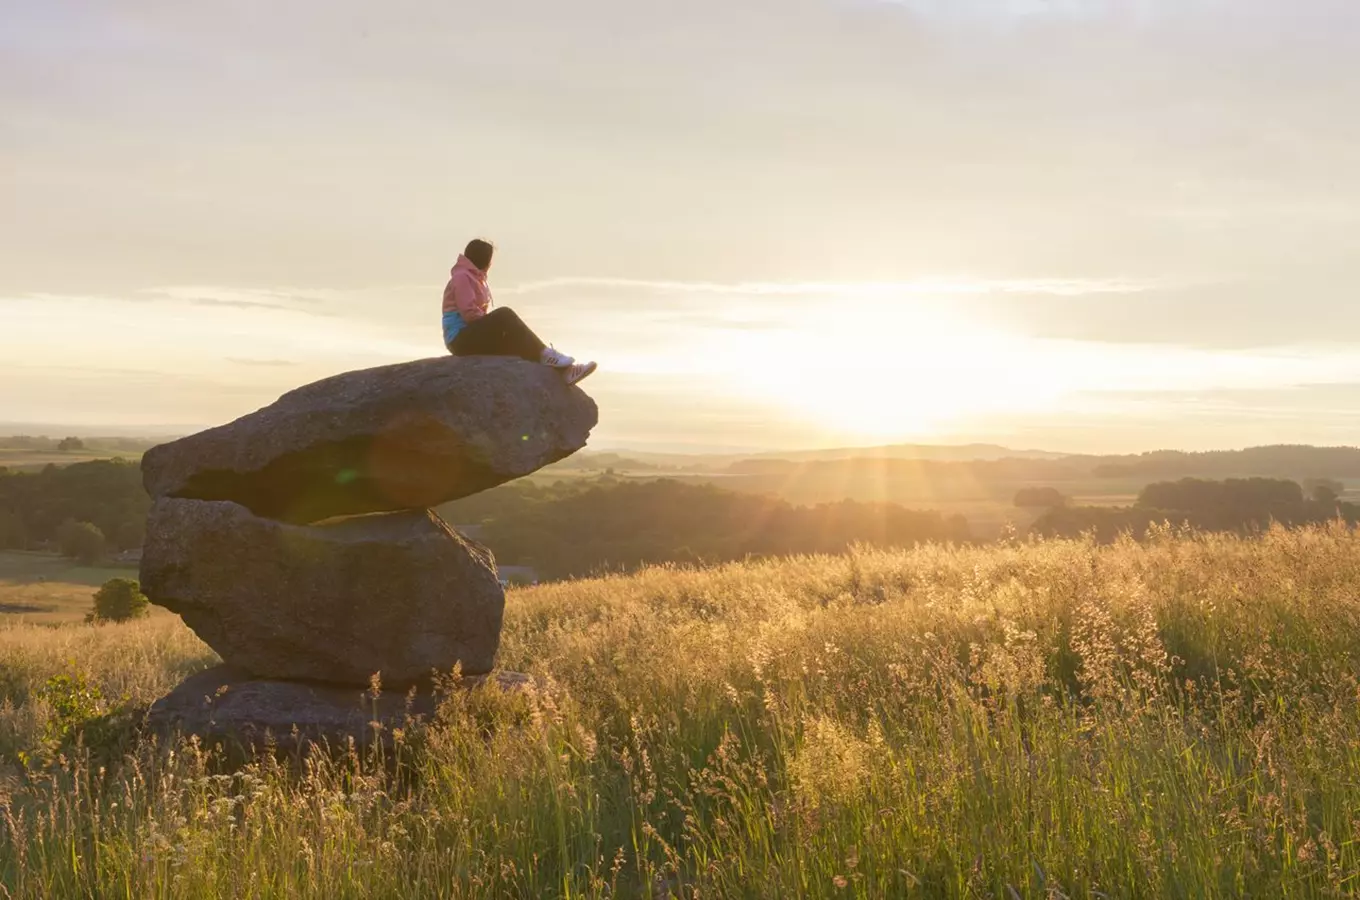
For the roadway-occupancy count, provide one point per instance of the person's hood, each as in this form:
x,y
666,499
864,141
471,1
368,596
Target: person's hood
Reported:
x,y
466,265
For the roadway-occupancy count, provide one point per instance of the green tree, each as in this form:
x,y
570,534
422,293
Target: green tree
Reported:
x,y
130,534
107,493
71,443
13,532
82,541
119,600
1324,490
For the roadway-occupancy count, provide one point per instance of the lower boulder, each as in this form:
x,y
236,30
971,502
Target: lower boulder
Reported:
x,y
226,706
401,595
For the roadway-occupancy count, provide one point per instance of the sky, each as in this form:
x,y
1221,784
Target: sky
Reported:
x,y
1088,225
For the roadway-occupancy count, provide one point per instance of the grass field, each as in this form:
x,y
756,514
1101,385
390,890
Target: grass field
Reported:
x,y
27,460
1173,719
46,589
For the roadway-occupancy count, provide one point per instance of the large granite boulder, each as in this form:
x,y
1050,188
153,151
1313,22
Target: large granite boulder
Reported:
x,y
225,705
407,436
400,594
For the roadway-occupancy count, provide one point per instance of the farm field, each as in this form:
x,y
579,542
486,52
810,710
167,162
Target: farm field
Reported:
x,y
21,460
47,589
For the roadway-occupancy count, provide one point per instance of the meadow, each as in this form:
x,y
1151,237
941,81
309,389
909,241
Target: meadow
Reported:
x,y
48,589
1176,718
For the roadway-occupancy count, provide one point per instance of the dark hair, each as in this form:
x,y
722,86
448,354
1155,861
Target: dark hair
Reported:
x,y
479,253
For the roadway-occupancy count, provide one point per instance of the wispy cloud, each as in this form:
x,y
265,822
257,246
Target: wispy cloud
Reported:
x,y
308,303
265,363
95,371
992,10
1066,287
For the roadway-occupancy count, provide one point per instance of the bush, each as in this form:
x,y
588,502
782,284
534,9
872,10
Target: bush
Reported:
x,y
79,714
82,541
119,600
72,700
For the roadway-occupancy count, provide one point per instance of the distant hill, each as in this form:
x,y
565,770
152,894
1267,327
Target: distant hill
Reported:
x,y
588,460
625,458
1280,461
937,452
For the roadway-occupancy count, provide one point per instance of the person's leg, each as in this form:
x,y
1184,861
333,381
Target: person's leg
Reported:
x,y
480,337
516,337
498,333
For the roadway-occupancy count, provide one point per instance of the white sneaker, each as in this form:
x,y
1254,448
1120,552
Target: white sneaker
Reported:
x,y
578,371
555,358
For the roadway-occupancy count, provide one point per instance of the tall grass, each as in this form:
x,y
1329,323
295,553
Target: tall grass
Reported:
x,y
1172,719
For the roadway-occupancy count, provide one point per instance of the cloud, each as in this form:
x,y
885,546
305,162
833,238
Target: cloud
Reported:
x,y
917,288
1001,10
1299,306
646,314
218,297
96,371
241,298
267,363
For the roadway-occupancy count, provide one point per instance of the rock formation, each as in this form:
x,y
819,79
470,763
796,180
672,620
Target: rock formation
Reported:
x,y
396,593
298,541
408,436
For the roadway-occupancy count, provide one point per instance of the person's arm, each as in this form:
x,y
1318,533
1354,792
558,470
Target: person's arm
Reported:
x,y
465,298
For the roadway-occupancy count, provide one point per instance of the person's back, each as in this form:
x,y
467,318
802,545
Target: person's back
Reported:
x,y
472,328
467,297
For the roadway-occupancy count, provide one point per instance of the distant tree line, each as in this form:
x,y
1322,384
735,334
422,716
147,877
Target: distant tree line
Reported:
x,y
1234,504
1039,498
979,471
1281,461
581,526
42,443
83,509
563,531
1008,474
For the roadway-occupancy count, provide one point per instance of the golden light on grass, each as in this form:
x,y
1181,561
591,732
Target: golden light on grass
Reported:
x,y
1170,718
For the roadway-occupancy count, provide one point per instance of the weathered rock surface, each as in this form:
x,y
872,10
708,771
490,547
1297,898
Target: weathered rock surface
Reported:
x,y
399,594
223,704
407,436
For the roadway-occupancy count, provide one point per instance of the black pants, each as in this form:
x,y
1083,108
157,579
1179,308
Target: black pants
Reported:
x,y
498,333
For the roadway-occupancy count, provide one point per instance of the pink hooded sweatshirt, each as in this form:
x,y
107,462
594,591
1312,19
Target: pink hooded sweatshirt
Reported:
x,y
467,297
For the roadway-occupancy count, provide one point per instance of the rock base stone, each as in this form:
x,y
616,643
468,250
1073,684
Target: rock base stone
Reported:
x,y
401,595
225,706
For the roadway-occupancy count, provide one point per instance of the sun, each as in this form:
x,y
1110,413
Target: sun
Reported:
x,y
909,371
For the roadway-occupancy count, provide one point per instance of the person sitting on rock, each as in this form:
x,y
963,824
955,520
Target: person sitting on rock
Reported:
x,y
473,328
